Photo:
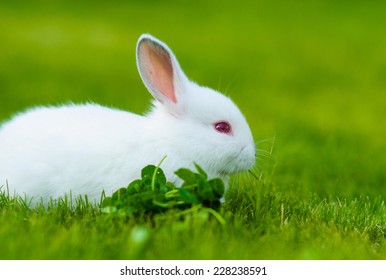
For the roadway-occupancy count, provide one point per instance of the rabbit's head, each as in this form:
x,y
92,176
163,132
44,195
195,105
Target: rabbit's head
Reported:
x,y
200,124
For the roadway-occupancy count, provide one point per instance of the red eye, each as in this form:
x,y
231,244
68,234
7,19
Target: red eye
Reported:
x,y
223,127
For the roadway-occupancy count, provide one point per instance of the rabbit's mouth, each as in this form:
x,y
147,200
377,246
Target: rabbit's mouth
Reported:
x,y
242,161
223,173
230,169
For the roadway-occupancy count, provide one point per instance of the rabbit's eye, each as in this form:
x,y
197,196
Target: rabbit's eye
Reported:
x,y
223,127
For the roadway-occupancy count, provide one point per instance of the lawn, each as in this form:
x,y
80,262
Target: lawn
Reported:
x,y
310,77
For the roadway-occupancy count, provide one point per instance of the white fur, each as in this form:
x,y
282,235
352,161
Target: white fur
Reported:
x,y
50,151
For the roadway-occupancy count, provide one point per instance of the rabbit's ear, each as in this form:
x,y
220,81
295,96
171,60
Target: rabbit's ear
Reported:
x,y
160,71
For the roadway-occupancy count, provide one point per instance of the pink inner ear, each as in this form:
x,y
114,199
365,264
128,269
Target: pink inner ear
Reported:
x,y
160,71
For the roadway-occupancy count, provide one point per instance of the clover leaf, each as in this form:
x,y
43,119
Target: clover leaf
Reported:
x,y
153,194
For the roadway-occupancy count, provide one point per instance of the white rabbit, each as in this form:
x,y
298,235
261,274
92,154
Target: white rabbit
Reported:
x,y
84,149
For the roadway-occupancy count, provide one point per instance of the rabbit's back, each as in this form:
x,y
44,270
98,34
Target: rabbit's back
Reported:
x,y
44,150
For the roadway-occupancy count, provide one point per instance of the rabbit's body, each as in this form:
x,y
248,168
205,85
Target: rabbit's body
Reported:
x,y
84,149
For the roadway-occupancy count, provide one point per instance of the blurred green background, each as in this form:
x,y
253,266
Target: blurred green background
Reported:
x,y
310,73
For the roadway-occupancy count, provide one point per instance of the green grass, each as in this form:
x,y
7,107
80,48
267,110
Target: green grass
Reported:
x,y
310,74
259,224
